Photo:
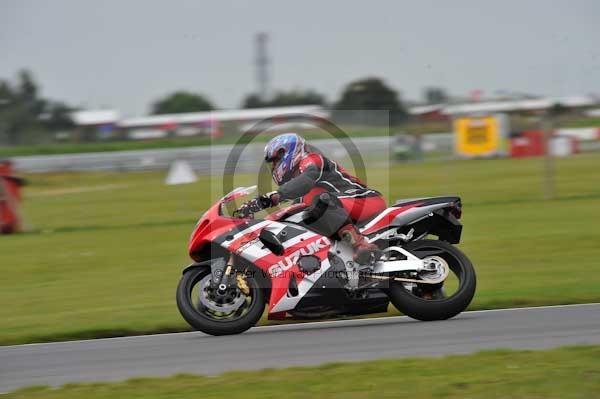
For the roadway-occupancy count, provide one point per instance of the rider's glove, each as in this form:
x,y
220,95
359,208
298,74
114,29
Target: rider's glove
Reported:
x,y
269,199
248,208
257,204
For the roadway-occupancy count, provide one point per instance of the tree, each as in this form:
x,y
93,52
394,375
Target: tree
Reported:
x,y
285,99
296,97
25,115
435,95
19,108
27,88
371,94
6,95
57,116
253,101
180,102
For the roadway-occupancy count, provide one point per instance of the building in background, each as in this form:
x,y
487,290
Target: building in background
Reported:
x,y
109,124
519,106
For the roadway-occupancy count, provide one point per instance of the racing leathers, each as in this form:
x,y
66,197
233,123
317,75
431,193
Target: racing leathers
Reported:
x,y
337,201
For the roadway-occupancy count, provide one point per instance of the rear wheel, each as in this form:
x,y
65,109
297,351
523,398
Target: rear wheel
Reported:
x,y
206,310
435,302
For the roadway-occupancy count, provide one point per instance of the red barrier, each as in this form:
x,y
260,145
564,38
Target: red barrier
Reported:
x,y
527,144
10,198
531,144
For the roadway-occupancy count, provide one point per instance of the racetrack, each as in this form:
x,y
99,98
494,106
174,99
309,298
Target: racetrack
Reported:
x,y
299,344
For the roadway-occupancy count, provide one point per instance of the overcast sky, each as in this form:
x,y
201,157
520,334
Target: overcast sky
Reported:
x,y
125,54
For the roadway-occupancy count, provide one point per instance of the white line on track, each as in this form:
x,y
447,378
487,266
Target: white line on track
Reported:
x,y
300,325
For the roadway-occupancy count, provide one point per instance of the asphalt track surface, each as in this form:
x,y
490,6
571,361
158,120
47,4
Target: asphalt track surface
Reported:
x,y
293,345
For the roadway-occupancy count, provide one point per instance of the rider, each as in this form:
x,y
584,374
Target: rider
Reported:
x,y
337,199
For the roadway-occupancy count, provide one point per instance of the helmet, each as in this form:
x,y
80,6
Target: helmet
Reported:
x,y
284,153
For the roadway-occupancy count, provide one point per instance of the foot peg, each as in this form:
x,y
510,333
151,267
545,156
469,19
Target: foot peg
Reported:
x,y
368,257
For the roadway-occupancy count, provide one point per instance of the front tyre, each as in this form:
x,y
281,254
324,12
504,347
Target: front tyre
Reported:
x,y
233,313
419,304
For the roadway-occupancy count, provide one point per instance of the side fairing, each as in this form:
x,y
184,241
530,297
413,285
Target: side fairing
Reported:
x,y
283,270
400,216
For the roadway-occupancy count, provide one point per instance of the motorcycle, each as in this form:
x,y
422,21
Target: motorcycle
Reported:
x,y
242,264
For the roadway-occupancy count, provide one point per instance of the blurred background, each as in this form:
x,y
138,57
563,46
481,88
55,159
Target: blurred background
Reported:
x,y
104,103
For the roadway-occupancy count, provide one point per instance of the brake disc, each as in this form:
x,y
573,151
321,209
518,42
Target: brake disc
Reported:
x,y
435,270
231,303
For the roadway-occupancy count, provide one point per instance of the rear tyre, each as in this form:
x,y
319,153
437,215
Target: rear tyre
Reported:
x,y
436,307
212,322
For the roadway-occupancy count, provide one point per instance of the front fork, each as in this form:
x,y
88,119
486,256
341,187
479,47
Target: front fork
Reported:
x,y
221,271
225,277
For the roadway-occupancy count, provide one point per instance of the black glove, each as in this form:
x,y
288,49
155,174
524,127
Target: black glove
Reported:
x,y
257,204
248,208
268,200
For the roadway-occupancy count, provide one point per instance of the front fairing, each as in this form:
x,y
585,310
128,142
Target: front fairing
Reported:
x,y
240,237
213,223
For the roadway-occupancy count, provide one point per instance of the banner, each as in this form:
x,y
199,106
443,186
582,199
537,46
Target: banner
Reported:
x,y
478,136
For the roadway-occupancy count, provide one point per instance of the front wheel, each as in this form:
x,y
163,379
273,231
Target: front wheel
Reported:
x,y
205,310
430,302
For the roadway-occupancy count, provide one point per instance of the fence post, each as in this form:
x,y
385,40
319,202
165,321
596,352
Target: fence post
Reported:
x,y
549,167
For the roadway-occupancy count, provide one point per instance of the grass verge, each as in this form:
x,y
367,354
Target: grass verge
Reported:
x,y
570,372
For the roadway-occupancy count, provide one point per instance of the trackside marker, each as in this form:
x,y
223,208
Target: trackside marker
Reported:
x,y
180,172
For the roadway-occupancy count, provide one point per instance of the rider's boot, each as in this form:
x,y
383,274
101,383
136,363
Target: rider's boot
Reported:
x,y
365,253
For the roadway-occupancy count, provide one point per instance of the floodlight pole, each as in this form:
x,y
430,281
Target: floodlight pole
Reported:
x,y
262,65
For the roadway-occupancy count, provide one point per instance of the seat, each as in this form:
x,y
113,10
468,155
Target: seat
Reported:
x,y
426,201
362,223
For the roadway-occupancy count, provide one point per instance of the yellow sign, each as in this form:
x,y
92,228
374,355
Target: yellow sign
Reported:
x,y
477,136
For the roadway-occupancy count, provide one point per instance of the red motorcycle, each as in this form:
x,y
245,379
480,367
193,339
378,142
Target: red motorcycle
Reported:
x,y
243,264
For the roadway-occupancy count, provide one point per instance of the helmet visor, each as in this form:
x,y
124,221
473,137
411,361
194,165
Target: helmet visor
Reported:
x,y
275,160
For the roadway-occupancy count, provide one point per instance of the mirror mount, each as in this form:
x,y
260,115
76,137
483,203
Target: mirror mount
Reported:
x,y
270,240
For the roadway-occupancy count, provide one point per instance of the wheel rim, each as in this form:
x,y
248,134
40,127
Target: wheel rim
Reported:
x,y
232,306
452,285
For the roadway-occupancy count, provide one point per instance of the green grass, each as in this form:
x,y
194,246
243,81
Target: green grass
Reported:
x,y
104,251
583,122
105,146
572,372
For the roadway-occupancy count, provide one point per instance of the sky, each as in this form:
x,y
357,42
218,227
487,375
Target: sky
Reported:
x,y
125,54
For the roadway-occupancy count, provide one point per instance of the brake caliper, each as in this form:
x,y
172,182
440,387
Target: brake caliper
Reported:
x,y
242,284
